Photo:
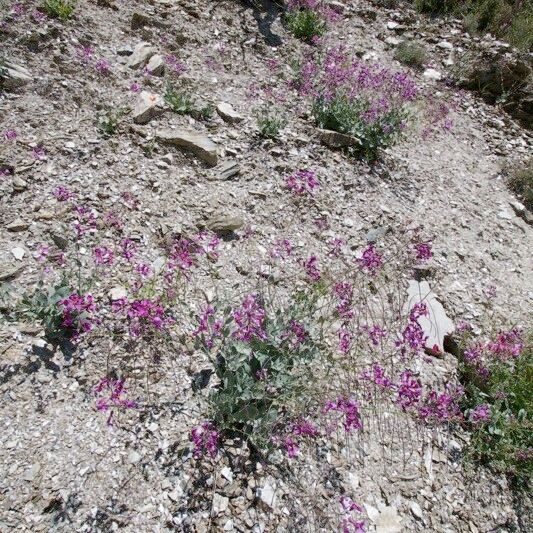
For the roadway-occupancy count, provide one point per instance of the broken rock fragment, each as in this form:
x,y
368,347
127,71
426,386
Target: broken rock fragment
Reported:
x,y
202,146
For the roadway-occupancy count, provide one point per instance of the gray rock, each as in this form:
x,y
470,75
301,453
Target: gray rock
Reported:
x,y
267,494
203,147
224,224
17,225
229,169
156,65
334,139
228,114
15,76
147,107
220,504
19,185
125,50
416,510
141,54
445,45
9,271
432,74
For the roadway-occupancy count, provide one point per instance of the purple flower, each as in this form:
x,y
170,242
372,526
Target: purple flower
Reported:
x,y
304,428
311,268
350,409
143,270
302,182
336,247
291,447
378,377
345,340
423,251
10,135
63,194
409,390
77,313
205,438
208,327
129,249
441,407
344,292
371,260
508,345
250,318
102,67
480,414
175,64
135,87
38,152
103,255
42,253
111,393
281,249
296,334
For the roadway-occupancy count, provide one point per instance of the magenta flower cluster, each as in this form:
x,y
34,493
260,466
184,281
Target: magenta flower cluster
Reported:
x,y
205,439
302,182
350,409
110,394
78,312
208,328
249,320
371,260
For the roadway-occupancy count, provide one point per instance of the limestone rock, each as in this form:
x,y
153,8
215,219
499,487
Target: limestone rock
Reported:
x,y
223,223
141,54
436,325
15,76
156,65
229,169
148,106
228,114
432,74
202,146
334,139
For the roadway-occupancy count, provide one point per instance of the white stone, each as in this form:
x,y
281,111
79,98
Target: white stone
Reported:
x,y
432,74
147,107
18,253
141,54
156,65
436,324
228,114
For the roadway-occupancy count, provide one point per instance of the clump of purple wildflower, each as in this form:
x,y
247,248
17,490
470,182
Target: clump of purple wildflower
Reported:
x,y
208,328
480,414
103,255
302,182
350,409
78,312
311,268
205,439
409,390
281,249
250,320
102,67
63,194
508,345
345,340
371,260
110,393
10,135
344,292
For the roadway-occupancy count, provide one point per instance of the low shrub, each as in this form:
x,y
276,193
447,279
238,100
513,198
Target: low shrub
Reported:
x,y
411,53
270,124
262,363
497,376
305,24
180,101
520,181
110,122
61,9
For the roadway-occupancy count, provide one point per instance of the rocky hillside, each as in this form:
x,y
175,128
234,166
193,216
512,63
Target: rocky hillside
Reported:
x,y
260,269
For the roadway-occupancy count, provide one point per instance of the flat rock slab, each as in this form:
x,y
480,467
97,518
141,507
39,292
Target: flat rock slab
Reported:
x,y
16,76
228,114
437,324
334,139
202,146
